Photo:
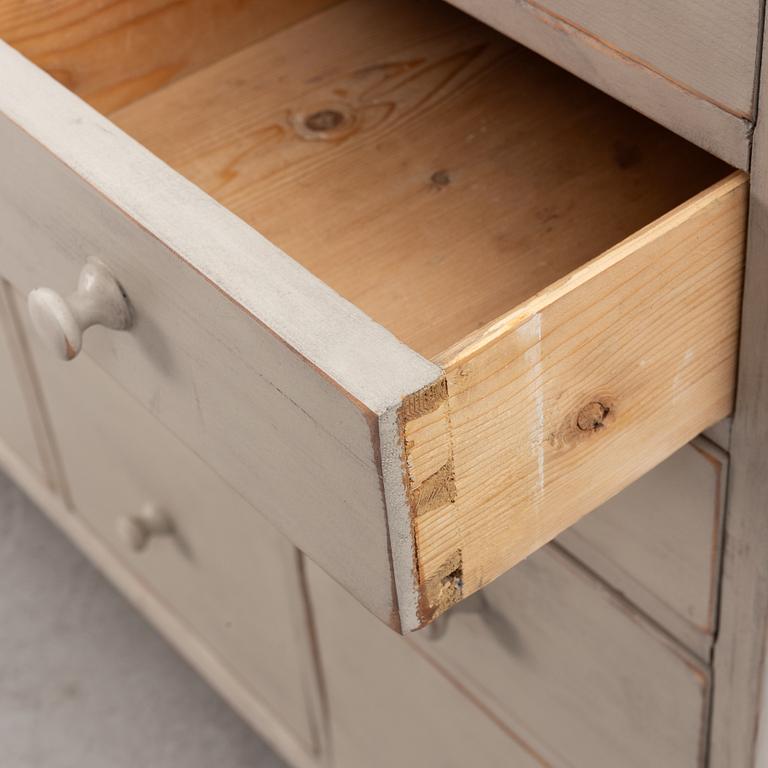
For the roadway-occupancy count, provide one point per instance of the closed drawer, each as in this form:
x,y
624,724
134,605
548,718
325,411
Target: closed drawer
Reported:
x,y
659,542
689,65
390,705
540,287
575,671
225,573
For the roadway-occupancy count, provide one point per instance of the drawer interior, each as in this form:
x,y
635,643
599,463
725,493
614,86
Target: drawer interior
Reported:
x,y
433,172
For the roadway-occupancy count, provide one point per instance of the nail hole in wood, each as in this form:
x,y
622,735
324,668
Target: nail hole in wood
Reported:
x,y
440,179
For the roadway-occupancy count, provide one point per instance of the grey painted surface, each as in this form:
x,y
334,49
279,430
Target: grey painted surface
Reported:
x,y
84,681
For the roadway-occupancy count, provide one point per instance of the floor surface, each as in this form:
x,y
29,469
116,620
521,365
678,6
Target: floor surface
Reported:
x,y
85,682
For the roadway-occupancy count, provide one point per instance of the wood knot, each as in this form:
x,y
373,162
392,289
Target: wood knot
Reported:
x,y
324,120
326,123
592,416
584,423
442,589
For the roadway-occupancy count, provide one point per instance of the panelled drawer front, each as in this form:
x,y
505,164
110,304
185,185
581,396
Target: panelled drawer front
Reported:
x,y
226,573
658,541
574,670
389,705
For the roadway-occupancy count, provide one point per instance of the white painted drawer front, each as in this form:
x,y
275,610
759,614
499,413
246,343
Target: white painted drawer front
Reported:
x,y
552,351
213,351
659,541
706,46
575,671
389,705
225,572
690,65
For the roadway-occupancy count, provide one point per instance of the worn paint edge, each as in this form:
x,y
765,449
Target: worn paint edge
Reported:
x,y
416,598
401,534
336,338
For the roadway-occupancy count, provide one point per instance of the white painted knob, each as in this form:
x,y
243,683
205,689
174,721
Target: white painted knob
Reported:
x,y
60,322
136,530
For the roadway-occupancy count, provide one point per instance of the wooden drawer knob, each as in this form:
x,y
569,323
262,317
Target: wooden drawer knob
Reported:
x,y
60,322
136,530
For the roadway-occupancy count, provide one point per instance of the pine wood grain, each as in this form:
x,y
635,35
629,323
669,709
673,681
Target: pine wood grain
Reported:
x,y
113,51
558,405
466,173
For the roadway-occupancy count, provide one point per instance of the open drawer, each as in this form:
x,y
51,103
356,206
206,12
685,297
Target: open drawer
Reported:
x,y
423,299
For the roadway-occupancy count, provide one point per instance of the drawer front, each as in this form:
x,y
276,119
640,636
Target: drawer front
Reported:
x,y
707,47
574,670
17,428
271,377
658,542
225,572
689,65
388,705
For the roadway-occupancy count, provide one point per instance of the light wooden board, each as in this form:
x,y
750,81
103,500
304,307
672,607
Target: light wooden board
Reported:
x,y
225,572
574,670
740,706
655,57
110,53
273,379
467,173
165,620
659,542
557,406
389,706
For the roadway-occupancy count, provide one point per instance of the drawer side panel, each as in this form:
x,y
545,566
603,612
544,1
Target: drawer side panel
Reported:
x,y
557,407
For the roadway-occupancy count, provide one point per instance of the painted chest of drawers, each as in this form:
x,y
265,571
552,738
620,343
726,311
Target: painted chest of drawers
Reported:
x,y
322,320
